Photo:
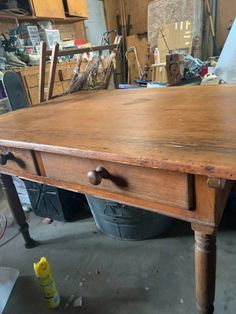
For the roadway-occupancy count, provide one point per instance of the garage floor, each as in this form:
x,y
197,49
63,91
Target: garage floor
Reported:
x,y
146,277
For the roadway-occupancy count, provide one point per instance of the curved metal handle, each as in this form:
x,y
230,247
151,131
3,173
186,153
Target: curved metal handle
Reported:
x,y
5,157
95,176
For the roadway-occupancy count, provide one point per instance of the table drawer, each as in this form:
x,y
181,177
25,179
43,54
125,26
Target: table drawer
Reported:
x,y
16,161
159,186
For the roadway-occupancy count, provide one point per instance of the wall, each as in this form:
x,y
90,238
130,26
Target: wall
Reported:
x,y
95,26
111,9
166,12
137,9
71,30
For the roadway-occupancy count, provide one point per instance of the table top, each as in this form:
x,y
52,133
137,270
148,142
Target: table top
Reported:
x,y
188,129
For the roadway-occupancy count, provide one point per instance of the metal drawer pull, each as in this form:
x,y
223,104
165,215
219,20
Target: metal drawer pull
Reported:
x,y
95,176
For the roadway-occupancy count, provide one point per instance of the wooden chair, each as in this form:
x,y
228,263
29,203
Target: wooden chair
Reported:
x,y
55,53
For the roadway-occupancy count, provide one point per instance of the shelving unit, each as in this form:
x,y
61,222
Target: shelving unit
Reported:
x,y
30,18
68,17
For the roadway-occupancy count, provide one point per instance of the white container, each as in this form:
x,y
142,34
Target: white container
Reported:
x,y
157,58
50,36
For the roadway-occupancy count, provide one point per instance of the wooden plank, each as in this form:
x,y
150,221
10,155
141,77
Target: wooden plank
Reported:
x,y
111,11
111,8
52,71
178,36
138,11
31,5
77,8
82,50
79,30
226,16
140,43
162,12
42,71
31,18
51,9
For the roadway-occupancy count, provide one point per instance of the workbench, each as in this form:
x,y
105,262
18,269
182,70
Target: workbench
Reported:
x,y
169,150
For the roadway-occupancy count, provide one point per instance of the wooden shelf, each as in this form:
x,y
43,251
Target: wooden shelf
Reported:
x,y
30,18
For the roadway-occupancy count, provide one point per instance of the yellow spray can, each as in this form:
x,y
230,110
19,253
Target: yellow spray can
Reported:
x,y
43,273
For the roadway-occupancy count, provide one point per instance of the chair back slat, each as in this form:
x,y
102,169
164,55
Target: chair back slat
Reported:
x,y
55,53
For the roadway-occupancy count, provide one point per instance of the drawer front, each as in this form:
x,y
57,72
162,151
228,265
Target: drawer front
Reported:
x,y
159,186
17,161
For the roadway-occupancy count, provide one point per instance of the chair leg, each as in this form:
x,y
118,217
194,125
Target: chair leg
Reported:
x,y
52,71
42,71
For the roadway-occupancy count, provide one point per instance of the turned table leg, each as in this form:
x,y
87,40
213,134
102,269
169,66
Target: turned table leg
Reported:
x,y
205,271
16,209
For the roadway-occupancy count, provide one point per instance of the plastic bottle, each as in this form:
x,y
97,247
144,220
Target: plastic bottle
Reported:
x,y
43,273
157,58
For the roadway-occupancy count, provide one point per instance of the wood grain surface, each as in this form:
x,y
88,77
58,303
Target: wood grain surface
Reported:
x,y
186,129
22,161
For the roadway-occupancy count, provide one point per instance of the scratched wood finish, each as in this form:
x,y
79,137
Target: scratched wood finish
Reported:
x,y
160,186
190,129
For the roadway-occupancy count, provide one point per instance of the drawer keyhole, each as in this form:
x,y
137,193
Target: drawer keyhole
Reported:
x,y
95,176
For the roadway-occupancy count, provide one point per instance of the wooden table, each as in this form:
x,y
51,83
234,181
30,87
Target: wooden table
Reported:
x,y
171,150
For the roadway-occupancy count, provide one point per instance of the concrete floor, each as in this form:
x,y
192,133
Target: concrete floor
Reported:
x,y
145,277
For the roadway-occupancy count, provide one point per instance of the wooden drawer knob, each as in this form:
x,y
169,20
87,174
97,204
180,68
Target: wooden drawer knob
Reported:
x,y
5,157
95,176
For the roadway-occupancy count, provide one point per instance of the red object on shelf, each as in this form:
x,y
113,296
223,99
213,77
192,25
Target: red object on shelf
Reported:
x,y
204,71
79,42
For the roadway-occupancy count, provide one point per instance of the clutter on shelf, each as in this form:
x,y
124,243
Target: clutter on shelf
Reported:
x,y
20,46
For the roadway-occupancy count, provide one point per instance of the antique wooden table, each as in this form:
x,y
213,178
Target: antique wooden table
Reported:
x,y
170,150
